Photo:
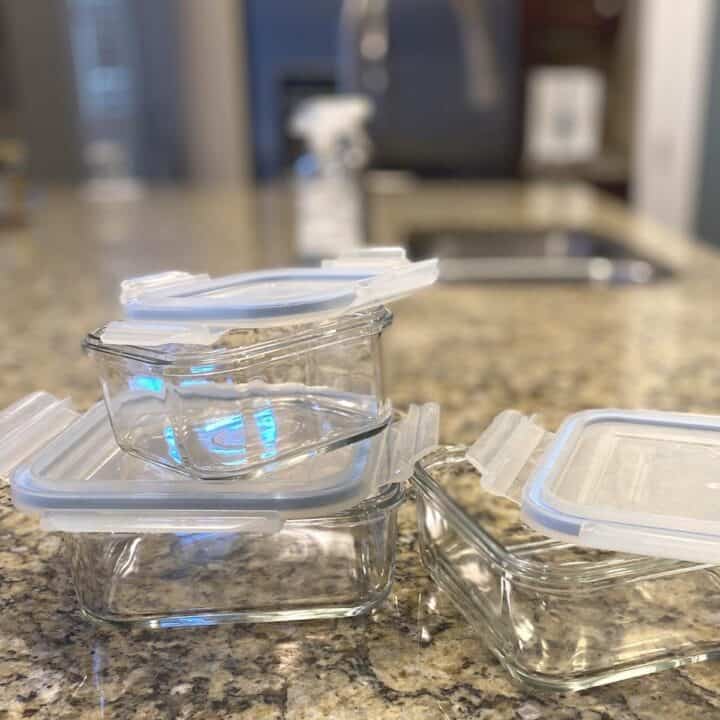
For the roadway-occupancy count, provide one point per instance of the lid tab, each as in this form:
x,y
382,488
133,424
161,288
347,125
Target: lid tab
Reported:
x,y
507,452
368,257
411,438
156,334
29,424
132,288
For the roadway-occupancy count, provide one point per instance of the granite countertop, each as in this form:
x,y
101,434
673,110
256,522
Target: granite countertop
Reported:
x,y
475,349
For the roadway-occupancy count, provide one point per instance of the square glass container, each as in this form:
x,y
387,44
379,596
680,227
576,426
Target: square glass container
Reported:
x,y
557,616
325,567
148,546
251,401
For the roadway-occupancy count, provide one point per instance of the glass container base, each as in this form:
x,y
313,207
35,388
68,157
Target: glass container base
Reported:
x,y
259,615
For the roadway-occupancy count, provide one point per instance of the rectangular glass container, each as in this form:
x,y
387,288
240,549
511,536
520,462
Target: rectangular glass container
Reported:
x,y
557,616
325,567
254,399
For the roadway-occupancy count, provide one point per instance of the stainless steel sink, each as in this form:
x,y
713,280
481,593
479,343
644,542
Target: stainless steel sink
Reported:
x,y
550,255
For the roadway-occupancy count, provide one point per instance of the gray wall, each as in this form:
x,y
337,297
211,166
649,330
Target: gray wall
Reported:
x,y
160,152
39,43
708,210
38,35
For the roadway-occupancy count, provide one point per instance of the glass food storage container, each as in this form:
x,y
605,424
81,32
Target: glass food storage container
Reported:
x,y
558,613
237,376
253,399
330,566
148,548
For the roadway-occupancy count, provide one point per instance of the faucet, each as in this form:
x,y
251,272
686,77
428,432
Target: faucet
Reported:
x,y
364,43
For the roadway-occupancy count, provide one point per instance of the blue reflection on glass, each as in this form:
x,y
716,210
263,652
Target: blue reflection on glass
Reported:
x,y
199,547
190,538
147,383
197,369
225,436
186,383
169,435
186,621
231,422
267,427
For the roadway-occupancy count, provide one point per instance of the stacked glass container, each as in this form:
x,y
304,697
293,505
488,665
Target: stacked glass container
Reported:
x,y
245,464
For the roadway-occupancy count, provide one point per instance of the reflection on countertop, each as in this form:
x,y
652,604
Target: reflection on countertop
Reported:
x,y
474,348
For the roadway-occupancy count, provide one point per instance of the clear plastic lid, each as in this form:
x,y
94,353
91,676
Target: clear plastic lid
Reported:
x,y
641,482
361,279
66,468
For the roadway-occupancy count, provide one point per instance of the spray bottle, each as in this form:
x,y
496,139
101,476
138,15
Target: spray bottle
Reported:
x,y
329,187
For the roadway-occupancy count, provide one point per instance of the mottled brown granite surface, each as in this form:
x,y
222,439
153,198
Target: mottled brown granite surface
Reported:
x,y
475,349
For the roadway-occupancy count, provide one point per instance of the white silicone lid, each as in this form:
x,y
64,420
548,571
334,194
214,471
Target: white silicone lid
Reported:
x,y
354,281
66,468
641,482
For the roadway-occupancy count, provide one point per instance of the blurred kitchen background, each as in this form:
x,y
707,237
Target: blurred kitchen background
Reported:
x,y
116,97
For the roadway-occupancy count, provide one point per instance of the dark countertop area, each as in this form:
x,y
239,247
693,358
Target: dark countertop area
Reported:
x,y
475,349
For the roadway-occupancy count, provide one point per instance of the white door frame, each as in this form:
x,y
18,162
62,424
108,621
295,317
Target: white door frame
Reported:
x,y
674,46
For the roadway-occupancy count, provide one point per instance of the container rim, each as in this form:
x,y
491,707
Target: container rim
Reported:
x,y
543,575
327,332
387,498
